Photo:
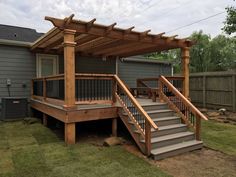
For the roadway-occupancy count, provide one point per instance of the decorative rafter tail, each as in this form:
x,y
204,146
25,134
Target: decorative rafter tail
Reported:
x,y
145,33
172,37
127,31
110,27
68,20
90,24
159,35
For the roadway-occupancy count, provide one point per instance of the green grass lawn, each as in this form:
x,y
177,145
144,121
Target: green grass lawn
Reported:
x,y
35,151
219,136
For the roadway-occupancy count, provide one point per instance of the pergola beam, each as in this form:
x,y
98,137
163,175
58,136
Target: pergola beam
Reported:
x,y
96,43
124,49
115,33
117,46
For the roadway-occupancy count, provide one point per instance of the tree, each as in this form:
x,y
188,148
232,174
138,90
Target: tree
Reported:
x,y
230,23
199,53
222,53
172,56
217,54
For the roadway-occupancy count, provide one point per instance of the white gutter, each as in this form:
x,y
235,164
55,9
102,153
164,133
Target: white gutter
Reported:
x,y
15,43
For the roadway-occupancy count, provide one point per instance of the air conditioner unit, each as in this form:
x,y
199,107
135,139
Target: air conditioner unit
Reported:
x,y
14,108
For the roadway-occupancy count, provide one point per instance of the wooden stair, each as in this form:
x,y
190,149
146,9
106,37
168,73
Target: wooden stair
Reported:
x,y
172,137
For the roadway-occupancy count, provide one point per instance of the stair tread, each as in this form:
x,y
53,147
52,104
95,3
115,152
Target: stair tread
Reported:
x,y
159,111
153,111
174,147
169,127
165,118
169,137
166,127
152,104
159,119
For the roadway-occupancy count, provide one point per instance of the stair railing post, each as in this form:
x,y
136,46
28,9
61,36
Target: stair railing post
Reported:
x,y
114,90
147,137
198,128
160,86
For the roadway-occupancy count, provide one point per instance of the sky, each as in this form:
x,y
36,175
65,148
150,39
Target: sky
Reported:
x,y
157,15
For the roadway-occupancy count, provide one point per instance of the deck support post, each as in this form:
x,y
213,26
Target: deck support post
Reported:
x,y
148,138
185,70
45,119
114,127
70,133
198,128
69,66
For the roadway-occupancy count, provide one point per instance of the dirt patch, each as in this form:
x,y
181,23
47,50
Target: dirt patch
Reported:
x,y
200,163
220,115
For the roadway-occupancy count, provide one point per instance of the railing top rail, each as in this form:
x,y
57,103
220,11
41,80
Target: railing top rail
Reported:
x,y
148,79
49,77
157,78
185,100
58,76
135,102
93,75
175,77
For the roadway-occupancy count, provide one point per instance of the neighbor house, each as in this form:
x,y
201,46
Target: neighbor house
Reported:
x,y
82,71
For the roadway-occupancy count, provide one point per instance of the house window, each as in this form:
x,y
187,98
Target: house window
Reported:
x,y
46,65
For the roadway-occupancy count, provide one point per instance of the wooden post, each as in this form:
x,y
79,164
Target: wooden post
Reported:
x,y
69,66
204,91
198,128
114,127
160,89
147,138
185,70
234,92
45,119
114,89
70,132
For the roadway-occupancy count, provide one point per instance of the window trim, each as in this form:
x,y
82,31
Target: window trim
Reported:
x,y
55,59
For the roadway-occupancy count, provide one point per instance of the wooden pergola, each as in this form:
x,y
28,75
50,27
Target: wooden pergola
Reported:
x,y
71,36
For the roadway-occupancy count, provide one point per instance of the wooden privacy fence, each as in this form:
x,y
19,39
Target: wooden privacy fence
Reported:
x,y
214,90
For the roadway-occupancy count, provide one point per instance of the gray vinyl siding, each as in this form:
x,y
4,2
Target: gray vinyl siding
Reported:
x,y
17,64
129,71
91,65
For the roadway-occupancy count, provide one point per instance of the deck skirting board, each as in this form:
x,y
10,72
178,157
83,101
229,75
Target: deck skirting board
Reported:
x,y
75,115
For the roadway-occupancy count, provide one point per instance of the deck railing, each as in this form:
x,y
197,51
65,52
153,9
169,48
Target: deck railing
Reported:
x,y
151,82
188,112
49,88
135,112
89,88
94,88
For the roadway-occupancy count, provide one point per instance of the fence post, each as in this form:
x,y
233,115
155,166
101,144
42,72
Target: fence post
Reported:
x,y
204,91
234,92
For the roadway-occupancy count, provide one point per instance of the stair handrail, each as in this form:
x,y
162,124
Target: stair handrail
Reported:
x,y
136,103
185,100
188,105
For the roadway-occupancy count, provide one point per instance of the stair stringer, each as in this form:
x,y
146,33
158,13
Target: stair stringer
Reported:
x,y
135,135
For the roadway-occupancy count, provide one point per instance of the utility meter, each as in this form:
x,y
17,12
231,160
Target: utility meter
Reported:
x,y
8,82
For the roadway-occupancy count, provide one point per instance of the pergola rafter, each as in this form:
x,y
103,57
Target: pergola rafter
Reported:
x,y
96,39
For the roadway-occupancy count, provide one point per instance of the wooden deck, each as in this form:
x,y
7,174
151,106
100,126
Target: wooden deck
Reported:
x,y
79,113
